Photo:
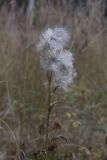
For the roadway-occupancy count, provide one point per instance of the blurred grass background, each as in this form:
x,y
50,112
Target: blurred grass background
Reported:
x,y
83,120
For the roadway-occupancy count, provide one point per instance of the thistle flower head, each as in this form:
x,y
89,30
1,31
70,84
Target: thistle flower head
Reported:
x,y
66,58
57,60
63,69
56,38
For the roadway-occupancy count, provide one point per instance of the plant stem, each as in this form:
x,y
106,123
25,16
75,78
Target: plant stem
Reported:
x,y
49,77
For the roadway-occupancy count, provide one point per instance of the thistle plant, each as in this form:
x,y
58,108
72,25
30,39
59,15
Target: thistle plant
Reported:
x,y
58,64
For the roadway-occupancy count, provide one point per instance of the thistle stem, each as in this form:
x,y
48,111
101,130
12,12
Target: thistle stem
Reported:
x,y
49,77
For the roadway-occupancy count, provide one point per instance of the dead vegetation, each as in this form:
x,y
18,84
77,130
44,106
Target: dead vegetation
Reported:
x,y
78,128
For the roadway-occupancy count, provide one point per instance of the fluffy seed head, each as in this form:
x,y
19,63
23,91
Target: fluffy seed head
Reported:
x,y
64,70
57,60
56,38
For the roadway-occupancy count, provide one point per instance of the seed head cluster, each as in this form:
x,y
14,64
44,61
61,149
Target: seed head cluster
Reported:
x,y
54,58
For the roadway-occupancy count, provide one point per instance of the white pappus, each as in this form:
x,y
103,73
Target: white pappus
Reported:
x,y
55,58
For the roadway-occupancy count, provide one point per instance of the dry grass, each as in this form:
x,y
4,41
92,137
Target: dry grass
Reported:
x,y
23,97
